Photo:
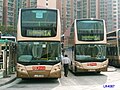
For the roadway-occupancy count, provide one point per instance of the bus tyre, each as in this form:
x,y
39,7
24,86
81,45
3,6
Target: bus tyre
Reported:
x,y
75,70
55,78
98,71
24,78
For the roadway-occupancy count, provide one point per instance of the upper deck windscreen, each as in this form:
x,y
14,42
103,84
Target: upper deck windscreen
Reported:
x,y
38,23
90,30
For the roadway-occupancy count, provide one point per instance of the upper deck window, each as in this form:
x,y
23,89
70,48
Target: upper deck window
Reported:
x,y
90,30
38,23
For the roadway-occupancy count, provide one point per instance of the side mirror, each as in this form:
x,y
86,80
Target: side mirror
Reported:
x,y
72,48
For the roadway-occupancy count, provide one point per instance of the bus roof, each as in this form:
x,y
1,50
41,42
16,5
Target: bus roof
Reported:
x,y
38,8
89,19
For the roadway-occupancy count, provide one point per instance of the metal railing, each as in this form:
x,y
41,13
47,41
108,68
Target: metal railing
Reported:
x,y
7,64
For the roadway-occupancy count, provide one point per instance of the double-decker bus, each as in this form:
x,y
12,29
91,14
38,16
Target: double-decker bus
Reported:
x,y
86,46
38,43
113,47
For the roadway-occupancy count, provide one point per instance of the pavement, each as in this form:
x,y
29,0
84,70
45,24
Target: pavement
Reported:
x,y
111,69
8,79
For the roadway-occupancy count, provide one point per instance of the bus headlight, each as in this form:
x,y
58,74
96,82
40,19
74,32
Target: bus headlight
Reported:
x,y
79,65
105,63
21,68
56,68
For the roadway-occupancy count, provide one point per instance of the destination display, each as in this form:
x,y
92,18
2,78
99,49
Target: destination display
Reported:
x,y
95,37
39,33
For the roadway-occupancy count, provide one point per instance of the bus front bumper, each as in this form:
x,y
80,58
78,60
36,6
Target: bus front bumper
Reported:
x,y
50,71
92,66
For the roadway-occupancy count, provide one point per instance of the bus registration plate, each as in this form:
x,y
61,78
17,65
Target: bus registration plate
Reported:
x,y
91,70
38,67
92,64
38,75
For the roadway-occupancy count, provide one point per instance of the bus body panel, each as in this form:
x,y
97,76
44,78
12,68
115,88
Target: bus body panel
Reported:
x,y
39,71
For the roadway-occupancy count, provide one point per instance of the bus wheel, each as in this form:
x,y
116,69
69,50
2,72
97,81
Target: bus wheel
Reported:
x,y
98,72
54,78
24,78
75,70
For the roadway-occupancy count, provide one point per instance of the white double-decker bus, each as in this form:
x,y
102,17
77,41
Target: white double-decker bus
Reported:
x,y
86,46
113,47
39,47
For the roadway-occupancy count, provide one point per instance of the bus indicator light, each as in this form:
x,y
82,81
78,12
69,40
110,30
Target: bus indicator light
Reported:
x,y
92,64
38,67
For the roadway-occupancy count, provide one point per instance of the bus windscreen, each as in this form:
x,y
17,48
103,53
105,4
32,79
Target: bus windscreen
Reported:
x,y
38,51
90,52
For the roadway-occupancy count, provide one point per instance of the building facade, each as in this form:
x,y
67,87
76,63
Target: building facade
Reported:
x,y
8,12
68,13
27,3
1,12
91,9
46,3
113,11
